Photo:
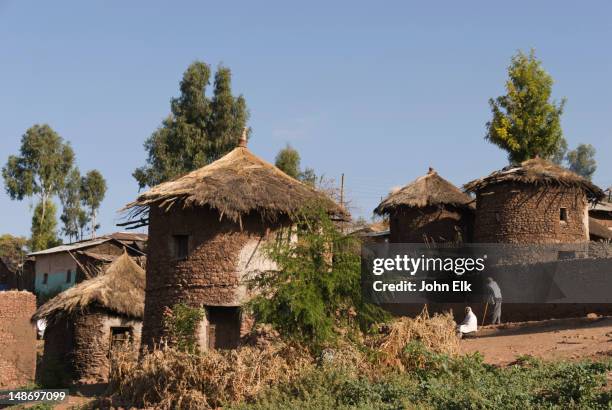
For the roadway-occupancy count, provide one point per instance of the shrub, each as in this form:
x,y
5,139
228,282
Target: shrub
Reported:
x,y
181,323
315,294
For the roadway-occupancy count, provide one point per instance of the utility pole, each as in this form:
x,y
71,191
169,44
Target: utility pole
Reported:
x,y
342,190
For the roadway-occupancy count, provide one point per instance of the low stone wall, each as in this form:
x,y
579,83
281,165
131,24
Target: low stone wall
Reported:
x,y
17,339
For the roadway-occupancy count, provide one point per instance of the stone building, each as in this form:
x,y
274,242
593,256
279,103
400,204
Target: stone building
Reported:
x,y
86,321
536,202
17,339
206,234
429,209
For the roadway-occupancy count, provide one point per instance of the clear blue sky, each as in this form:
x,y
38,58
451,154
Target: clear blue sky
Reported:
x,y
376,90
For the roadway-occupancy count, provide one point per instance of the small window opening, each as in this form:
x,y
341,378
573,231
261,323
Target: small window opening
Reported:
x,y
68,276
120,335
181,246
45,278
563,215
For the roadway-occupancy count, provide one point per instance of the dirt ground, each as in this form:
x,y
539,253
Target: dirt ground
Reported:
x,y
568,339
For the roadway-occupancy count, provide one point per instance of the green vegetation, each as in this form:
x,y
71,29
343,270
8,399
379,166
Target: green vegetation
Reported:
x,y
12,247
44,227
182,323
288,160
93,189
313,295
40,170
582,160
198,131
526,123
72,213
445,382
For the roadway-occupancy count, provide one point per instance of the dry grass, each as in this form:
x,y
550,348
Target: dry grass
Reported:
x,y
428,190
437,334
539,172
167,378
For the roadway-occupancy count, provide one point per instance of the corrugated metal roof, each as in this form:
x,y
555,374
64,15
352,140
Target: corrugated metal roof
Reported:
x,y
72,246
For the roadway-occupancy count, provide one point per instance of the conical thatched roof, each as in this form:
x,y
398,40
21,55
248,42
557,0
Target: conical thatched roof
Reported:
x,y
541,172
121,289
235,185
429,190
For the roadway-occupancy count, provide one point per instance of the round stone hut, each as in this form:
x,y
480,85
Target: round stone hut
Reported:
x,y
536,202
429,209
85,322
207,230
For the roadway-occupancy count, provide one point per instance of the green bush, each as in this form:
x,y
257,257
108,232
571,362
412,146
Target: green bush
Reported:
x,y
182,323
317,288
443,382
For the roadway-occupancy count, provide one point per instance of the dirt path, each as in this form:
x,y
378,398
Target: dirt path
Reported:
x,y
570,339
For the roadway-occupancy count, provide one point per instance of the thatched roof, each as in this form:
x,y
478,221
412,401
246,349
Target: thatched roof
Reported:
x,y
235,185
540,172
121,290
429,190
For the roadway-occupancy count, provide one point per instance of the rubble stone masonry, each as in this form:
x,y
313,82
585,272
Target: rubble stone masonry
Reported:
x,y
17,339
211,273
524,213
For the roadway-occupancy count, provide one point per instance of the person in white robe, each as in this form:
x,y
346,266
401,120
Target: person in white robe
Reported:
x,y
469,324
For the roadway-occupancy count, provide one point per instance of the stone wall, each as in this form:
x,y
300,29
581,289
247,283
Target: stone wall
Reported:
x,y
17,339
221,254
523,213
437,224
80,346
92,344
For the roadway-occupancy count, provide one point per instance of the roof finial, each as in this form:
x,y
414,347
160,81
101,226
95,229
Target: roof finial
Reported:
x,y
243,139
431,170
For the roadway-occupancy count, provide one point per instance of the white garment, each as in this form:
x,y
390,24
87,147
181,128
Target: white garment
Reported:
x,y
469,324
41,325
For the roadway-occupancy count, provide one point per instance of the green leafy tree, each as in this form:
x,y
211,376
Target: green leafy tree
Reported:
x,y
93,190
70,196
198,130
526,123
308,176
316,289
40,169
44,229
83,221
288,161
582,160
12,247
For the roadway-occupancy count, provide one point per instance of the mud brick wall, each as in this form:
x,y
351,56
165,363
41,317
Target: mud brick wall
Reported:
x,y
511,312
209,275
438,224
17,339
524,213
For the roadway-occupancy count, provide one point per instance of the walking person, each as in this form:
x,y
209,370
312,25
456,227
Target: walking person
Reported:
x,y
494,298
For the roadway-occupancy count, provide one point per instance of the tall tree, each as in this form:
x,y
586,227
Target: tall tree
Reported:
x,y
70,196
288,161
198,130
228,116
582,160
93,190
526,123
40,169
44,229
13,247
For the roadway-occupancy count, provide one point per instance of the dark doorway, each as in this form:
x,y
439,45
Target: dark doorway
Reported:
x,y
223,327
